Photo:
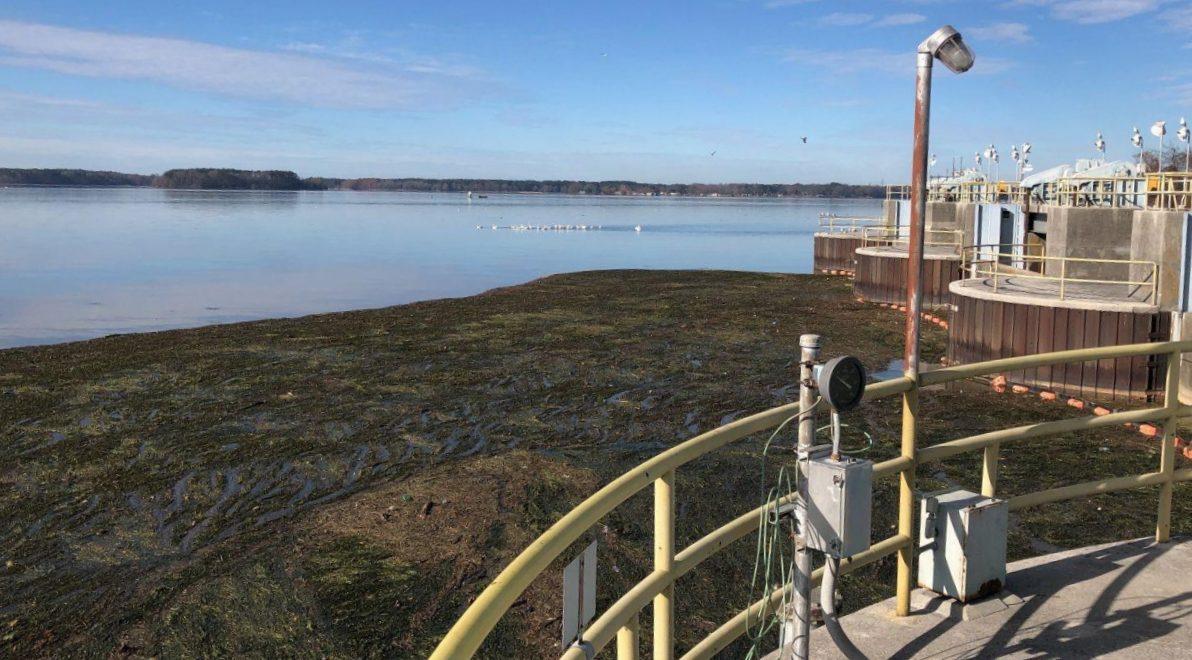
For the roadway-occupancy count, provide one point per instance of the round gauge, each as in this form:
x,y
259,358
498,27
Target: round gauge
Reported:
x,y
842,382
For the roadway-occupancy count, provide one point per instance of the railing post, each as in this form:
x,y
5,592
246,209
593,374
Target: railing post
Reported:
x,y
627,640
906,499
1171,401
989,469
664,560
1063,275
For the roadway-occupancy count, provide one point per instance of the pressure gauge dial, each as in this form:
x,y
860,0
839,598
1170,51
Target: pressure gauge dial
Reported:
x,y
842,382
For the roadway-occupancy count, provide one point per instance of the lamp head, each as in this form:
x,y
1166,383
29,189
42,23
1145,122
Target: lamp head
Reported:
x,y
947,46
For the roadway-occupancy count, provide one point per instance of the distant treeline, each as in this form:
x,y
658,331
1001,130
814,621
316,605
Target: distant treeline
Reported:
x,y
230,179
206,178
600,187
65,177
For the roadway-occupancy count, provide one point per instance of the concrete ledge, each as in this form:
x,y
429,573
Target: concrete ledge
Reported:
x,y
897,252
982,290
1122,600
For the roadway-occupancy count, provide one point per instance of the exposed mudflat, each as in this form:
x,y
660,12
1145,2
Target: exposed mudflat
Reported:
x,y
343,484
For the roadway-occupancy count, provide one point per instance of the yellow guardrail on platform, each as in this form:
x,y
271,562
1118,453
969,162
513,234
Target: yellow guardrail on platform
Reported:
x,y
1163,191
1005,260
846,224
620,620
882,236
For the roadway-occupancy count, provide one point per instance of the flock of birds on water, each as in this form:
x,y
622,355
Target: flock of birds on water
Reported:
x,y
636,228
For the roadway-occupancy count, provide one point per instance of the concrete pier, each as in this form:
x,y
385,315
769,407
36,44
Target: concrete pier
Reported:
x,y
1123,600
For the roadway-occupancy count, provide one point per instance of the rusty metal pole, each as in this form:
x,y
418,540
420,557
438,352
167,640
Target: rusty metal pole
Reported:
x,y
914,267
914,307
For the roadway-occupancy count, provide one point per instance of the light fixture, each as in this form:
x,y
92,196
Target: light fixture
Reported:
x,y
1136,140
1099,143
1159,129
1182,134
947,45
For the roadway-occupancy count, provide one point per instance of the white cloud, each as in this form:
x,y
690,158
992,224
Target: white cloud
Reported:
x,y
894,20
1179,19
845,19
1089,12
1018,33
275,76
875,60
850,19
778,4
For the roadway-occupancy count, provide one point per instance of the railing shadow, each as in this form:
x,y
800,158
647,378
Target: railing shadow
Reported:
x,y
1103,628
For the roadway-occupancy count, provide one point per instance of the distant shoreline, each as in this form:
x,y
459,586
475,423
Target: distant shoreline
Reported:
x,y
284,180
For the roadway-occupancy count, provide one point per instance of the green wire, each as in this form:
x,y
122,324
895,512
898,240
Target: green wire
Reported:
x,y
770,560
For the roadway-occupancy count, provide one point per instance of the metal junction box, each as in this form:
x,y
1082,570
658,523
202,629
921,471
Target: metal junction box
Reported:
x,y
962,544
839,505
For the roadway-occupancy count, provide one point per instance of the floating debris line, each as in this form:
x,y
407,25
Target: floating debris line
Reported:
x,y
560,227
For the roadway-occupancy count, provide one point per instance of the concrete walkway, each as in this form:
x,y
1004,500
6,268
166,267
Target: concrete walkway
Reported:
x,y
1123,600
1113,297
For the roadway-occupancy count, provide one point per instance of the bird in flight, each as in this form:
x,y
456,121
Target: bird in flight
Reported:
x,y
713,153
804,139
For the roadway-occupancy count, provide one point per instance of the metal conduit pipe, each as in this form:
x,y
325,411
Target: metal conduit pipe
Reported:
x,y
828,605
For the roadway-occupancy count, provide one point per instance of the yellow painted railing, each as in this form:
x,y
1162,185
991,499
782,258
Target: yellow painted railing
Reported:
x,y
840,224
1003,261
977,192
1158,191
971,192
938,238
620,620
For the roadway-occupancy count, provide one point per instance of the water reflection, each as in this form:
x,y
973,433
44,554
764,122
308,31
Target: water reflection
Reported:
x,y
79,263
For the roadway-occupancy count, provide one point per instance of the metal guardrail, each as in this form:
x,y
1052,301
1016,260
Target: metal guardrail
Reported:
x,y
978,192
992,261
1159,191
838,224
886,236
620,620
973,192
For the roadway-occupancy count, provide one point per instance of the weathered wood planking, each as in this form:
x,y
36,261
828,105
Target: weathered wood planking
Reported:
x,y
987,330
882,279
835,253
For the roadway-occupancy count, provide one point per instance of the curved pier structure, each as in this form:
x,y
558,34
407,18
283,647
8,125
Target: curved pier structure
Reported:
x,y
881,275
1024,316
835,252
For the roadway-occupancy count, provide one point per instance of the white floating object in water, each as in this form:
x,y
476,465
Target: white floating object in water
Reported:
x,y
637,228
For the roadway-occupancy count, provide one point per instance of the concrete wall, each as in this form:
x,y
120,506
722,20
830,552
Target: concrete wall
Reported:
x,y
1156,236
1096,233
890,212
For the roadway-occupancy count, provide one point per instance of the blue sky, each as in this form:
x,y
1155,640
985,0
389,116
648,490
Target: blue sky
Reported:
x,y
578,90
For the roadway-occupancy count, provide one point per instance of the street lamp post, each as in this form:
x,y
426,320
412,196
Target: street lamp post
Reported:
x,y
947,45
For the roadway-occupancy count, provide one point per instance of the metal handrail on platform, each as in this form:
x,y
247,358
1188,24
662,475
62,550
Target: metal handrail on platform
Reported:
x,y
1159,191
977,192
620,620
994,262
838,224
888,236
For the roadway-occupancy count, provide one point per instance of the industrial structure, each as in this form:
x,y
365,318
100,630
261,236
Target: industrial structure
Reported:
x,y
1076,277
1074,257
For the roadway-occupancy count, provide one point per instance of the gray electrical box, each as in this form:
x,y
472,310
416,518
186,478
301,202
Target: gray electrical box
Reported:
x,y
839,505
962,544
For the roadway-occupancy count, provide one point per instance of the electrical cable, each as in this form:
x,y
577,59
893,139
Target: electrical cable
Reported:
x,y
828,607
769,549
773,564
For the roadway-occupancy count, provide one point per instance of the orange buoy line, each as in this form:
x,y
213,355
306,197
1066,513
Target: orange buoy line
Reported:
x,y
1001,385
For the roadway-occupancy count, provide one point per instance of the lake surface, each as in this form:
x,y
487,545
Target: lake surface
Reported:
x,y
77,263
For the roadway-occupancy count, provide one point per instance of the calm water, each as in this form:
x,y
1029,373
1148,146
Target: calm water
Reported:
x,y
77,263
